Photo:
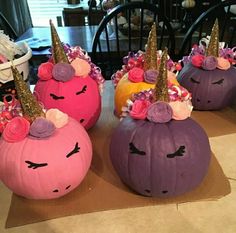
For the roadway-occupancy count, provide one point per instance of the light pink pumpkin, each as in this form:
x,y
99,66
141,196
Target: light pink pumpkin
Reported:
x,y
79,98
46,168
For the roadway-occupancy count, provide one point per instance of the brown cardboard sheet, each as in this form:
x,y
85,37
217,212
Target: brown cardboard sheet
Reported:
x,y
102,189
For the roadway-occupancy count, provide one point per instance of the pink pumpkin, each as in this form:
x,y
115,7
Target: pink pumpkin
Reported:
x,y
78,97
46,168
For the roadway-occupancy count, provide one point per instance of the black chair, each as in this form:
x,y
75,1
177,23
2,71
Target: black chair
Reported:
x,y
7,28
95,12
108,53
203,25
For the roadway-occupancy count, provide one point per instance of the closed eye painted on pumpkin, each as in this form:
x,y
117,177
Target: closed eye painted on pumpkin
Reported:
x,y
55,97
179,152
218,82
194,81
134,150
74,151
84,89
35,165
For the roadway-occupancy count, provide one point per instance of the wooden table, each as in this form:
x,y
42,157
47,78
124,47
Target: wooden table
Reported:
x,y
39,38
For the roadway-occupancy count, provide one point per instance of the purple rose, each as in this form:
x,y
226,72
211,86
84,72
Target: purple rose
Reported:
x,y
63,72
42,128
150,76
209,63
159,112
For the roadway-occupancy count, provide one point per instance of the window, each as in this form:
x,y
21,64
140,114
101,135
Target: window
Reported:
x,y
43,10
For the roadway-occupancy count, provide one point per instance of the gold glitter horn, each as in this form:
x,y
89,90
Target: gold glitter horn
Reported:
x,y
161,87
213,46
150,59
30,106
58,51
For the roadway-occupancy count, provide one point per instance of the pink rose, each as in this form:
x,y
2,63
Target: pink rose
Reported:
x,y
223,63
136,75
139,109
181,109
45,71
197,60
16,130
58,118
159,112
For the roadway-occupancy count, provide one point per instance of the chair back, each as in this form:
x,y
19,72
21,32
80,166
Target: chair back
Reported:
x,y
7,28
201,28
125,28
95,13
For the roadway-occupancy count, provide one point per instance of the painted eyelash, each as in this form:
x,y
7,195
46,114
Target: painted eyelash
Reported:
x,y
35,165
179,152
74,151
84,89
194,81
218,82
56,97
134,150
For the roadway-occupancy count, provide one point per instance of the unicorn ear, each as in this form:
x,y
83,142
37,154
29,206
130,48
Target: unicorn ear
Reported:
x,y
58,51
150,62
161,87
213,46
30,106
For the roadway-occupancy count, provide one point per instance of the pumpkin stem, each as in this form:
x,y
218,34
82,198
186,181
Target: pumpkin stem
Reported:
x,y
150,61
161,87
58,52
213,46
30,106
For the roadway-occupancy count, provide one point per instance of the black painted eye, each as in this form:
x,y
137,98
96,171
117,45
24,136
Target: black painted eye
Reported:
x,y
179,152
35,165
134,150
194,81
84,89
218,82
74,151
55,97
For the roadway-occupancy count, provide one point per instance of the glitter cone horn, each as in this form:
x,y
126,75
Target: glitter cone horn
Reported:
x,y
30,106
213,46
150,62
58,51
161,87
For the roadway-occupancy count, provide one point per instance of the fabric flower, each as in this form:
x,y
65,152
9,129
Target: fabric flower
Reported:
x,y
63,72
181,109
58,118
45,71
209,63
82,67
223,63
150,76
41,128
16,130
139,109
197,60
136,75
159,112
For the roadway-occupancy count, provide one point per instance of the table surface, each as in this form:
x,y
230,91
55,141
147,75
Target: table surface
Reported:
x,y
40,37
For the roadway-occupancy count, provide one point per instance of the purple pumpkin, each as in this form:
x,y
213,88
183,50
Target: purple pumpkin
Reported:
x,y
210,89
160,159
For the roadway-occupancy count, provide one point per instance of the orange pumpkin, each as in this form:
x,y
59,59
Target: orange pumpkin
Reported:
x,y
126,88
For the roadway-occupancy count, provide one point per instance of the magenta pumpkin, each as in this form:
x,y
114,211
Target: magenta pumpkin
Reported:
x,y
160,159
46,168
79,98
210,89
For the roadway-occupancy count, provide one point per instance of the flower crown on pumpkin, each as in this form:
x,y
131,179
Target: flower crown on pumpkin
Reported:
x,y
68,62
161,104
143,67
25,117
212,55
